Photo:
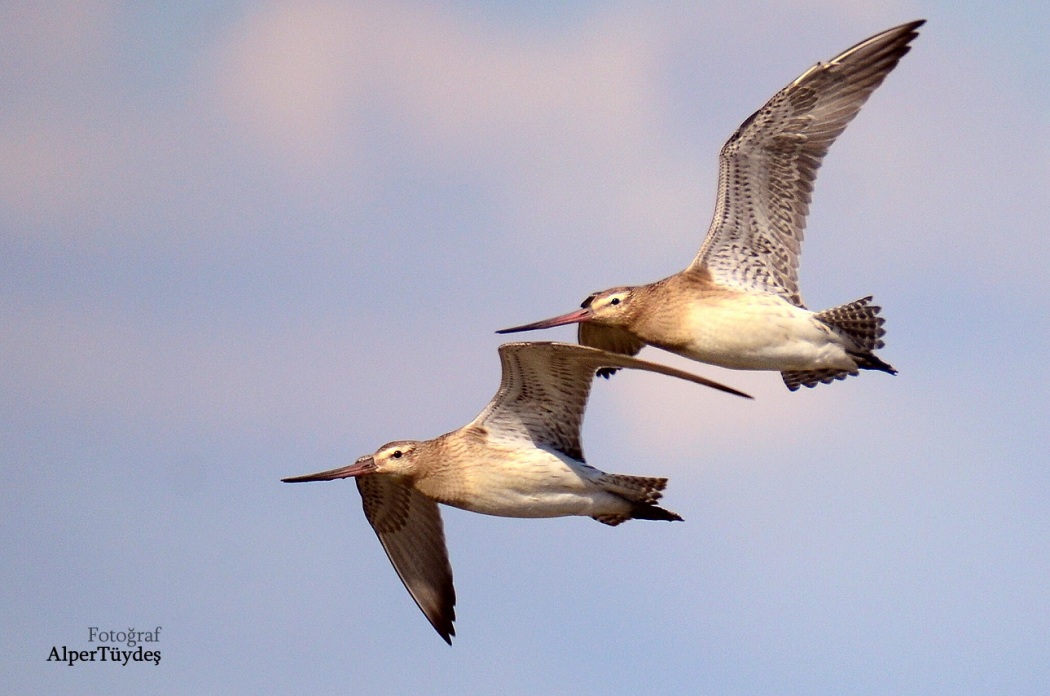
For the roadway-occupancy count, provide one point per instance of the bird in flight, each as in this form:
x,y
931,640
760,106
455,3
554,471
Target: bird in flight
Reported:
x,y
520,457
738,304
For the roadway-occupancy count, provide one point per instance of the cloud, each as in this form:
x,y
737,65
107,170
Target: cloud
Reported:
x,y
297,72
287,75
570,130
579,138
565,120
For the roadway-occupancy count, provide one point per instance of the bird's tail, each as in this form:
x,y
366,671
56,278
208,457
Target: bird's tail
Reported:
x,y
859,322
642,492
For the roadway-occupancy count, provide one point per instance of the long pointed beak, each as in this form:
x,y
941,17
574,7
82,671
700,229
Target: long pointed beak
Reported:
x,y
570,318
364,465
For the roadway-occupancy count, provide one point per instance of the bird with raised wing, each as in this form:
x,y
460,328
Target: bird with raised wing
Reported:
x,y
521,457
738,304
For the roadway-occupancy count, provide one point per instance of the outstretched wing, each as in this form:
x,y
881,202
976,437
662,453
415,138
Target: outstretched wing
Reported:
x,y
767,168
544,389
408,525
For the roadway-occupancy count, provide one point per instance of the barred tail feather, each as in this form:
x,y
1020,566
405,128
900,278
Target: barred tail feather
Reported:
x,y
642,492
637,489
811,378
860,323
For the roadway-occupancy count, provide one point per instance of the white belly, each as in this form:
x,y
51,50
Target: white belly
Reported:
x,y
535,483
761,333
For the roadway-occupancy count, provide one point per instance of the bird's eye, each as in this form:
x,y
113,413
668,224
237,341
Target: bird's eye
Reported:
x,y
614,301
396,454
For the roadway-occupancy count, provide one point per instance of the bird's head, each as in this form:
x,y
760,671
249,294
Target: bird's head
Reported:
x,y
394,458
611,307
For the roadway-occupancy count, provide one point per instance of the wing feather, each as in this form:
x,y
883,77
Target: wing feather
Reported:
x,y
409,527
544,389
768,167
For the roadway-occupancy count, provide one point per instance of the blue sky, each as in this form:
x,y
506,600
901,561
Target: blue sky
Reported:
x,y
245,241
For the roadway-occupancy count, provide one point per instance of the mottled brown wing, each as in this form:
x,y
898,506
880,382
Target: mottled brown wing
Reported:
x,y
543,393
767,168
409,527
